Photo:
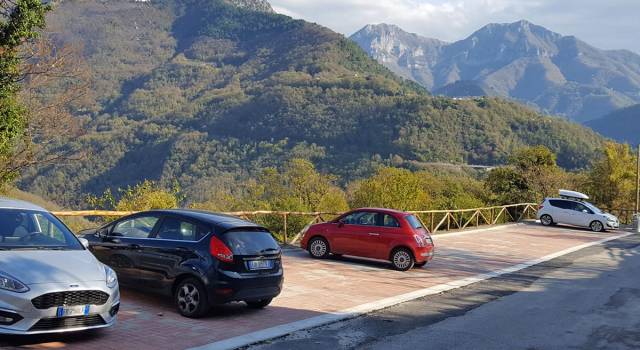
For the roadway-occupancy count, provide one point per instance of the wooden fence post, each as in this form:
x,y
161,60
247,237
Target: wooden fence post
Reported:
x,y
285,228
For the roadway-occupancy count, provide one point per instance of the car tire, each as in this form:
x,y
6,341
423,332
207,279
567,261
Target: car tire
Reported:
x,y
191,298
258,304
596,226
402,259
546,220
419,265
319,248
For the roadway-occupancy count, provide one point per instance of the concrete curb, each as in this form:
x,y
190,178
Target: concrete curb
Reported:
x,y
313,322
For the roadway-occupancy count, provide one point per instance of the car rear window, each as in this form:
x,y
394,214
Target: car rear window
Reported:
x,y
414,222
250,242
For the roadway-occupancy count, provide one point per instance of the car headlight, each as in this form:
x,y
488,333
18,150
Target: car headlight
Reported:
x,y
10,283
111,277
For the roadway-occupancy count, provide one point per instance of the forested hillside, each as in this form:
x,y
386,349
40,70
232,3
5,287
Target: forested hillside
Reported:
x,y
208,92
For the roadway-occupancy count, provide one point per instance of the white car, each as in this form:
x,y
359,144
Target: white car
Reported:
x,y
49,281
573,209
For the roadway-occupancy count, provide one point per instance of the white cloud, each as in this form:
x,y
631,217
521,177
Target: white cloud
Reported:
x,y
606,24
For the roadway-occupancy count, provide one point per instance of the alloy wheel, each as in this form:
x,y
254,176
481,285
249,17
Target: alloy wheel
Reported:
x,y
318,248
596,226
546,220
402,260
188,298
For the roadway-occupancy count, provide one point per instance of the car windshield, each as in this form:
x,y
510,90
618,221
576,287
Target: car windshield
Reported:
x,y
250,242
594,208
29,229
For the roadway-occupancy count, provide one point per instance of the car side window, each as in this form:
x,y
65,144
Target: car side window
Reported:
x,y
389,221
349,219
180,230
138,227
582,208
563,204
360,218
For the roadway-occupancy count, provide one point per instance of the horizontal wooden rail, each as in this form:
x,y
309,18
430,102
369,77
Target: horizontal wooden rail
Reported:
x,y
435,220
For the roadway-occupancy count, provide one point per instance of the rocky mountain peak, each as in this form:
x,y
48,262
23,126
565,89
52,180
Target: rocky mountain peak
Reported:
x,y
253,5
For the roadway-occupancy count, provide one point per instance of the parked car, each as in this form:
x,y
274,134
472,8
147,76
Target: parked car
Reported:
x,y
382,234
572,208
49,281
199,258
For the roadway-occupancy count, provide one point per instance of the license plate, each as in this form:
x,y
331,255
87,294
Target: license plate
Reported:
x,y
67,311
260,264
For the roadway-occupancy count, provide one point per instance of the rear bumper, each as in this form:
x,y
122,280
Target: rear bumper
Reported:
x,y
233,286
424,254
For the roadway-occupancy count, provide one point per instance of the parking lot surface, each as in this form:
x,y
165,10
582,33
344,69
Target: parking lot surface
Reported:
x,y
315,288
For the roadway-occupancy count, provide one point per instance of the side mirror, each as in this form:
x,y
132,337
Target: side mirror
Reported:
x,y
585,211
84,242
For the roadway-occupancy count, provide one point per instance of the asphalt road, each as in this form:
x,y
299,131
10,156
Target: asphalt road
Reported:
x,y
589,299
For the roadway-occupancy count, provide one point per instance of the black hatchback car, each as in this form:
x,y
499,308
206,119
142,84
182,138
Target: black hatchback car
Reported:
x,y
199,258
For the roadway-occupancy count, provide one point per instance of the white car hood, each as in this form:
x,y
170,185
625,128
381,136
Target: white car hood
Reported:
x,y
51,266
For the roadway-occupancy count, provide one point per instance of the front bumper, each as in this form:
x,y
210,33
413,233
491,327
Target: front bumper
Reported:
x,y
613,224
42,321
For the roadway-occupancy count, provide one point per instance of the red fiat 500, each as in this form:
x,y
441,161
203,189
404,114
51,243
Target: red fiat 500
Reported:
x,y
382,234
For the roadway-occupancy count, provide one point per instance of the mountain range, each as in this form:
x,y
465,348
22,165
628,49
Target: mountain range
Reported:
x,y
204,93
560,75
622,125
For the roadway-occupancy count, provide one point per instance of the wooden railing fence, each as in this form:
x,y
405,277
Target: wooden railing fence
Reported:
x,y
283,223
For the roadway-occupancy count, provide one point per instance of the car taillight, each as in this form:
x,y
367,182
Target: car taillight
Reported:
x,y
423,240
219,250
540,207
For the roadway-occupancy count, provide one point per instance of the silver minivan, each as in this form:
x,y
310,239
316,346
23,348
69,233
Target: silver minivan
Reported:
x,y
572,208
49,281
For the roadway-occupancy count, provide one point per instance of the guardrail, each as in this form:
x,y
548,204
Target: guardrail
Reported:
x,y
625,215
282,223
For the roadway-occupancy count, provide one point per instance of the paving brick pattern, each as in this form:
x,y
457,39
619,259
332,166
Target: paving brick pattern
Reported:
x,y
316,287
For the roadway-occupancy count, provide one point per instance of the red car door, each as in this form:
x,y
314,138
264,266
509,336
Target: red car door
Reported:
x,y
355,234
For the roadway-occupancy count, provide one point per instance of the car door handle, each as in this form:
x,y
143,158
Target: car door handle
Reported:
x,y
374,234
134,246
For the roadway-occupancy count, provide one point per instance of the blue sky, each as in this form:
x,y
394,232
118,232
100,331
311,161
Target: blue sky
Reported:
x,y
607,24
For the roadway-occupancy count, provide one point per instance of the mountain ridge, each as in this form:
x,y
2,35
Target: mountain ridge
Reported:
x,y
521,60
622,125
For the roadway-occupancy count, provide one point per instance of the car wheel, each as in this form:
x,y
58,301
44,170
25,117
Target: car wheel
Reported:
x,y
319,248
418,265
258,304
596,226
402,259
546,220
191,298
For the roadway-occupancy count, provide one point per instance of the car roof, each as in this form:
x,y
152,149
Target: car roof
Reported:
x,y
567,199
382,210
10,203
221,222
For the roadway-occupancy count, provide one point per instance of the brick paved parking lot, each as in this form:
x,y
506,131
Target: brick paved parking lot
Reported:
x,y
314,289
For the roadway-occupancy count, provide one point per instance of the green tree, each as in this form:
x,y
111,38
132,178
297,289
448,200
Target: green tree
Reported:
x,y
20,21
391,188
531,175
146,195
611,181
